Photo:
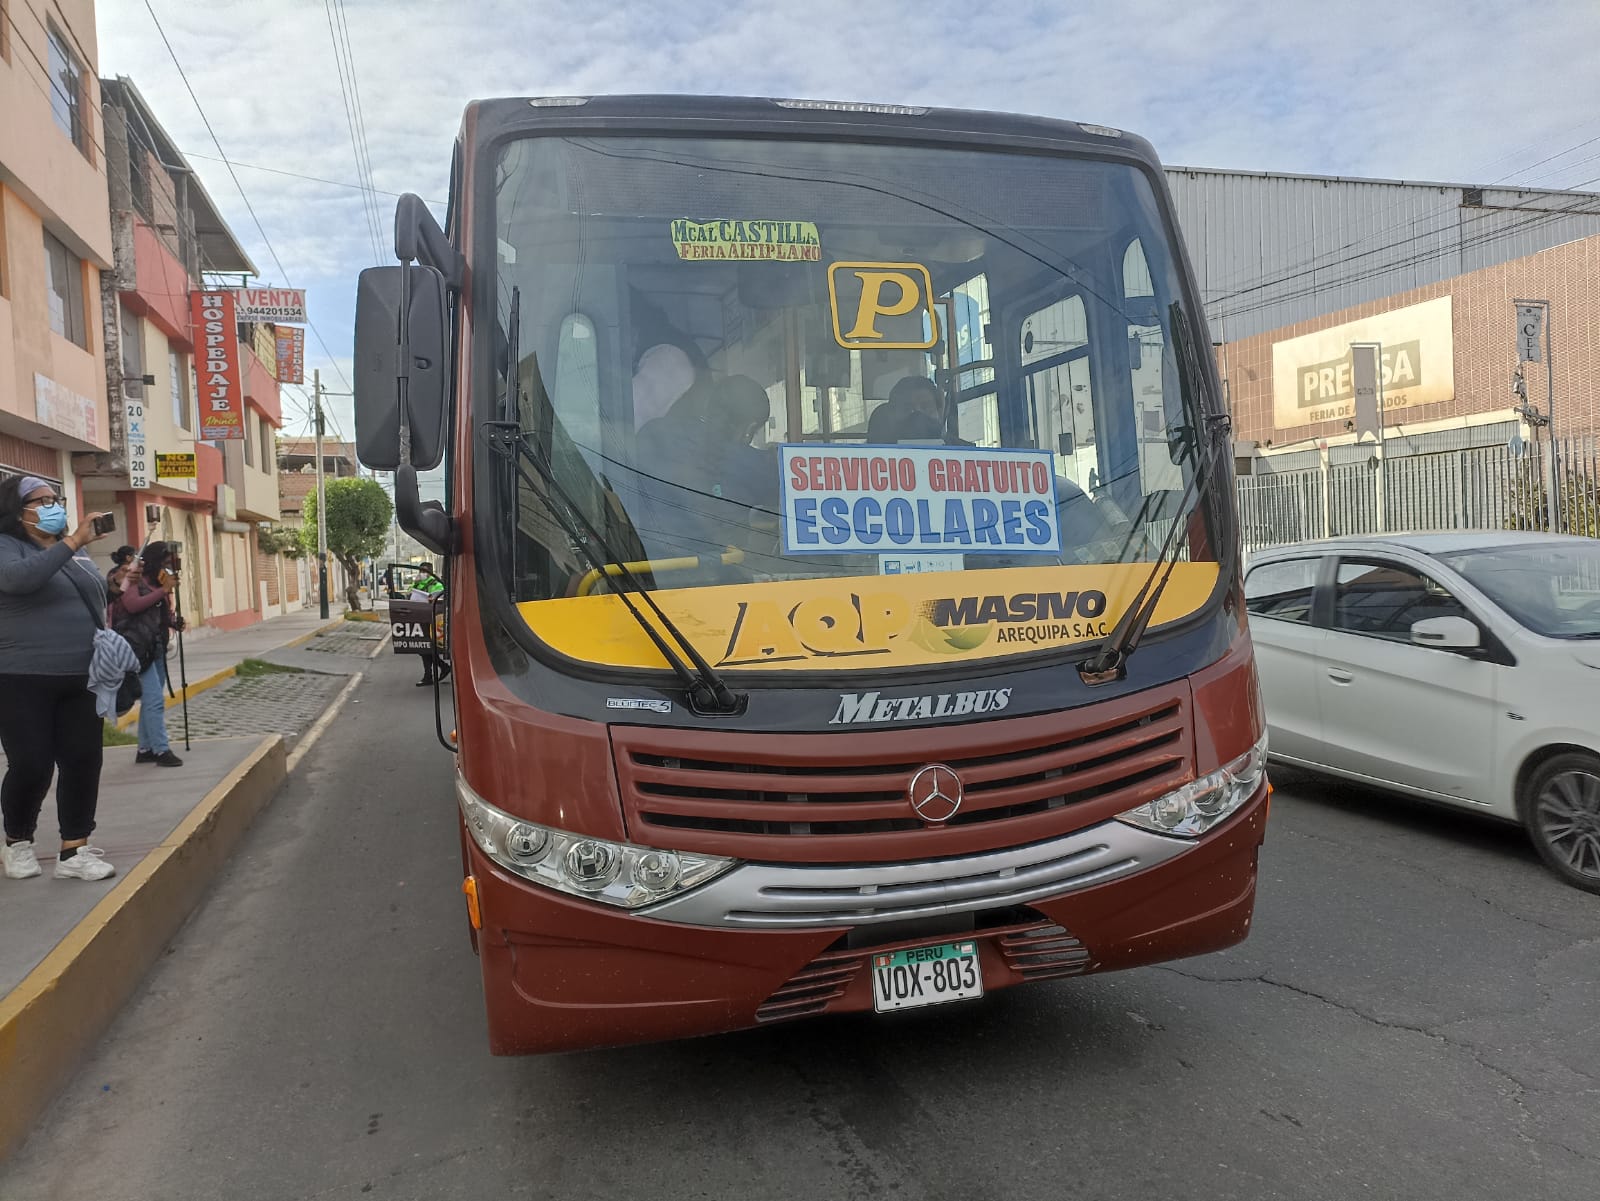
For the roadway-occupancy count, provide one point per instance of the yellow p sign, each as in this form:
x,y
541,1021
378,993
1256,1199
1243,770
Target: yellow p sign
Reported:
x,y
877,301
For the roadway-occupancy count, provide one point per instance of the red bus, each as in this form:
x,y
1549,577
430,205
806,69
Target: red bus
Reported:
x,y
843,575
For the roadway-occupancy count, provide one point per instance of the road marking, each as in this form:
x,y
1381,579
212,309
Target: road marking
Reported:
x,y
321,724
382,642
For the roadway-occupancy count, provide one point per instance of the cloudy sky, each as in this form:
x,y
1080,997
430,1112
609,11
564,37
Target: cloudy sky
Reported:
x,y
1449,90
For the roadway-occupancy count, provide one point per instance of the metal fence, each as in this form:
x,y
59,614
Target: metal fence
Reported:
x,y
1480,488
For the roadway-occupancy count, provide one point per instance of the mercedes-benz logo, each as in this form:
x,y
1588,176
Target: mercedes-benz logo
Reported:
x,y
935,794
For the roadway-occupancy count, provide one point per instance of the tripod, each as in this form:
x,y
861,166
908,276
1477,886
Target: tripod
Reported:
x,y
183,673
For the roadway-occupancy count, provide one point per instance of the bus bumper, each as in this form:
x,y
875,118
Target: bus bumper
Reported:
x,y
562,974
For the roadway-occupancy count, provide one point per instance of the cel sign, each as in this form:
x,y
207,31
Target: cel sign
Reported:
x,y
1313,380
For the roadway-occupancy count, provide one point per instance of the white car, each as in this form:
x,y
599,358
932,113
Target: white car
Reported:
x,y
1463,668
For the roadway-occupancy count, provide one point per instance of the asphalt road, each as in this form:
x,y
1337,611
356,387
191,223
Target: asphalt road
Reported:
x,y
1415,1016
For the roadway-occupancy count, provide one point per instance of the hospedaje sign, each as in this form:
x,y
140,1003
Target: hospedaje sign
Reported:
x,y
216,352
1313,381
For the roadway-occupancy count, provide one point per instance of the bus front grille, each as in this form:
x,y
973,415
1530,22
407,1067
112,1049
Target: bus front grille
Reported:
x,y
840,798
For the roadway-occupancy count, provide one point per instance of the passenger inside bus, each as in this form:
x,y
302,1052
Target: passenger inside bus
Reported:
x,y
1090,528
912,394
698,471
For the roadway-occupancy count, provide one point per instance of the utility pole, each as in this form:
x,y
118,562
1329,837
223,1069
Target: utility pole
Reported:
x,y
1534,318
1366,370
322,505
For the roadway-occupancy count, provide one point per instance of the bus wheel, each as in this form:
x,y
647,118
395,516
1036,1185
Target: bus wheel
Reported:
x,y
1560,806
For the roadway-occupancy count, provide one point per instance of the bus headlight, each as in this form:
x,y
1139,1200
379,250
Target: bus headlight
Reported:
x,y
596,869
1190,811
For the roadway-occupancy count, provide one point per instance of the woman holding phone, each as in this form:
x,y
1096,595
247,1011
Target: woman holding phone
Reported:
x,y
50,593
143,615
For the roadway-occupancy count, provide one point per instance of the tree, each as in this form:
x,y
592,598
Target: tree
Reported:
x,y
1528,508
358,523
279,540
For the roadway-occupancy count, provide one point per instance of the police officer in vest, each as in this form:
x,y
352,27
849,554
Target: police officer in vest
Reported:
x,y
427,587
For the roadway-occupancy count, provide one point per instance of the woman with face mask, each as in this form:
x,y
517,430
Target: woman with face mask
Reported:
x,y
50,591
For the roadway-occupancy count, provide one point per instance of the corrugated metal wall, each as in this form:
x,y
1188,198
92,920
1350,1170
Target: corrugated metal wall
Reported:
x,y
1271,250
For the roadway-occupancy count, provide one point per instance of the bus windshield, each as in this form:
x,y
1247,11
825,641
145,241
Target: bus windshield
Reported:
x,y
839,404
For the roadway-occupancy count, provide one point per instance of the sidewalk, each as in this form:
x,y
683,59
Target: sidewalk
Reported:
x,y
210,660
72,951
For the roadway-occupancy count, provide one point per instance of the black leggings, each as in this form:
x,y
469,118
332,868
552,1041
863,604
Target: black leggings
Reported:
x,y
48,724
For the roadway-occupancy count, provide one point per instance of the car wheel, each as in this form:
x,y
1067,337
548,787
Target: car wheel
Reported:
x,y
1560,807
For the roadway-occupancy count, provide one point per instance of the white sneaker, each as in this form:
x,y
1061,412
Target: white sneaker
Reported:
x,y
85,864
20,860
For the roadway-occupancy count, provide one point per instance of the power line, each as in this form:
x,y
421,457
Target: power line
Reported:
x,y
361,121
350,125
1332,255
1312,266
1486,238
54,89
334,183
235,176
1552,157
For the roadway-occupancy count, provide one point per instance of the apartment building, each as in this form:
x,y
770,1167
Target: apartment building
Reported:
x,y
55,240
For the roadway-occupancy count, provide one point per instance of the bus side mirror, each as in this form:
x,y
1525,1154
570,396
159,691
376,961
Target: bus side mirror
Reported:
x,y
378,370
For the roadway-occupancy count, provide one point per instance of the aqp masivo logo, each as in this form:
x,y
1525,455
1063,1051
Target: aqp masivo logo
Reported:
x,y
875,623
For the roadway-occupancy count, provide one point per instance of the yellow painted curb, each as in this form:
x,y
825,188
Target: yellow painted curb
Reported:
x,y
54,1017
127,720
305,638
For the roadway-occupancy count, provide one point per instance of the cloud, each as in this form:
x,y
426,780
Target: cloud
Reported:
x,y
1458,91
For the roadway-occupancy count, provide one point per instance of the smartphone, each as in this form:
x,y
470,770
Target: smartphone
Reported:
x,y
105,523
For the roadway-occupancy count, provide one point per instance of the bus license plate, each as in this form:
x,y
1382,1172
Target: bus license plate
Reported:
x,y
926,976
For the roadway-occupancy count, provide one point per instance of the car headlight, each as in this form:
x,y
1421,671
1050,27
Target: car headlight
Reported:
x,y
1190,811
596,869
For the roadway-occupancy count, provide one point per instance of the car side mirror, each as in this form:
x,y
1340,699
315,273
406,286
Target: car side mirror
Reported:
x,y
379,372
1446,633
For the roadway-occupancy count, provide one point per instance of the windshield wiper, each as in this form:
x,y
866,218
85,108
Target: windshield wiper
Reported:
x,y
1107,663
707,692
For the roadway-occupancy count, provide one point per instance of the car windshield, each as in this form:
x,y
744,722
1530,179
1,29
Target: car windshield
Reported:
x,y
1553,588
839,401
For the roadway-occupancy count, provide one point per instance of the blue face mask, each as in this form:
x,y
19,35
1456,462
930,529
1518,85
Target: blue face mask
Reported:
x,y
53,519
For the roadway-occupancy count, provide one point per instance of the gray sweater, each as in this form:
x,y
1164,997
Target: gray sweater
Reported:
x,y
45,627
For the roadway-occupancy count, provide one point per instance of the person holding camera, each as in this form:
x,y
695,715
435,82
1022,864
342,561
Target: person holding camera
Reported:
x,y
120,559
143,615
50,593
